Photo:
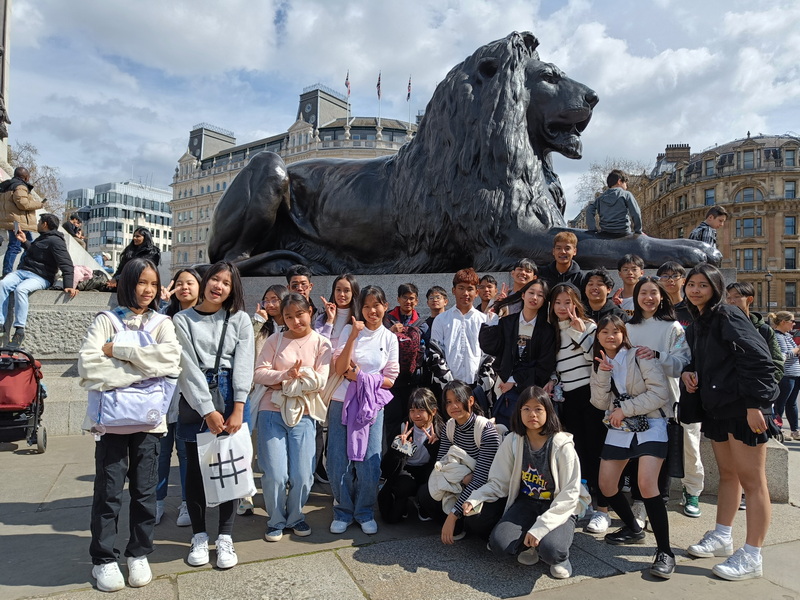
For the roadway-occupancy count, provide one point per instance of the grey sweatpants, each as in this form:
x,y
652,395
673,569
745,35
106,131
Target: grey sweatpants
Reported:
x,y
508,536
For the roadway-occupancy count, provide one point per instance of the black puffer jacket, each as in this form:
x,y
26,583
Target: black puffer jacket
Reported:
x,y
45,255
733,363
151,253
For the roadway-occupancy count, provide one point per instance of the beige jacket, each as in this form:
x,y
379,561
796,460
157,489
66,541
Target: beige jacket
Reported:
x,y
18,205
645,383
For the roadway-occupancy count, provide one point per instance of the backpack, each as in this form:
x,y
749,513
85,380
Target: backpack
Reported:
x,y
142,403
480,425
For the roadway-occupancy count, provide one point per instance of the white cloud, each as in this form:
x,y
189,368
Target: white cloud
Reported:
x,y
103,86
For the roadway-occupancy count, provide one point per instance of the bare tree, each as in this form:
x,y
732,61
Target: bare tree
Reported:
x,y
46,180
593,182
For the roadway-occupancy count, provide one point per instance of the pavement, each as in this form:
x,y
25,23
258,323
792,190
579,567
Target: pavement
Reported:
x,y
45,502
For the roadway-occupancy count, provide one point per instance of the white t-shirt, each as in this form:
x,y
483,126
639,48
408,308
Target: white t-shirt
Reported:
x,y
374,352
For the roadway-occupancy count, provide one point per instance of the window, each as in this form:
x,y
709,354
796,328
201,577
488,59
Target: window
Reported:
x,y
747,263
790,226
679,233
790,258
748,195
789,158
709,167
748,159
749,227
790,189
224,184
710,197
790,293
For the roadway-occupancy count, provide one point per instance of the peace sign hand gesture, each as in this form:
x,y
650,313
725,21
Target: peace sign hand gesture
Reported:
x,y
605,362
167,292
574,320
294,372
432,437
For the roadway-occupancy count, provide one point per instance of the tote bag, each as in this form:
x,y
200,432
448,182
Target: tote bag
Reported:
x,y
226,465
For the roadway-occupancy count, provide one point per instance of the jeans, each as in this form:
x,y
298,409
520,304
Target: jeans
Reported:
x,y
14,248
165,459
286,457
22,283
354,483
116,456
509,534
787,400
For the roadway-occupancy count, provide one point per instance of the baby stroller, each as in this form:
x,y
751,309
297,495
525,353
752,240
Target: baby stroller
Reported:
x,y
21,399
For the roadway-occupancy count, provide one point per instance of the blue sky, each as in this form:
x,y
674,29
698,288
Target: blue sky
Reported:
x,y
109,89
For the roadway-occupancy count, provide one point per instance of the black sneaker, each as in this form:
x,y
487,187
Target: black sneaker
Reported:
x,y
625,535
19,337
663,565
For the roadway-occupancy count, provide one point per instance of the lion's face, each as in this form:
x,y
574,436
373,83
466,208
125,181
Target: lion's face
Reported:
x,y
559,109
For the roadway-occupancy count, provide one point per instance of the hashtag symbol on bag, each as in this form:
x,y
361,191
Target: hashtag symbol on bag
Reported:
x,y
220,464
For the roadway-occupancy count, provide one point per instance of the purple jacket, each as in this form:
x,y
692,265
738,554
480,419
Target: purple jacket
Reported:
x,y
364,399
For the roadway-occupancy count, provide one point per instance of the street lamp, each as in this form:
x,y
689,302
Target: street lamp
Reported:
x,y
768,278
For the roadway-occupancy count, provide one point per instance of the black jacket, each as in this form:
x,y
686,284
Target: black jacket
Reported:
x,y
609,309
550,274
45,255
152,253
538,360
733,363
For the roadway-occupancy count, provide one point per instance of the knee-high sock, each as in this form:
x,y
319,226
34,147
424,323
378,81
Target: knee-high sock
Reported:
x,y
659,522
619,503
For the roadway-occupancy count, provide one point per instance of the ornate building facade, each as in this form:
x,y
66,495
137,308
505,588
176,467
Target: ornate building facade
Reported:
x,y
323,129
755,179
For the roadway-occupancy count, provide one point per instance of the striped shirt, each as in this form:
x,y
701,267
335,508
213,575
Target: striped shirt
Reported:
x,y
791,365
574,365
464,438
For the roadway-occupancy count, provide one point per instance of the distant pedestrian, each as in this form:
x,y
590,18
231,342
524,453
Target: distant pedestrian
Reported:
x,y
17,213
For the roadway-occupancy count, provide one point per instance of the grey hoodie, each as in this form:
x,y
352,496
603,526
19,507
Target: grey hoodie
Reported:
x,y
614,205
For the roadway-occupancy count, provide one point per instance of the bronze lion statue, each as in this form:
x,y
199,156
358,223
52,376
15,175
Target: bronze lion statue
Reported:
x,y
475,187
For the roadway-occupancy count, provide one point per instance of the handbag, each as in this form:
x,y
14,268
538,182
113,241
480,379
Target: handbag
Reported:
x,y
634,424
675,447
186,414
226,465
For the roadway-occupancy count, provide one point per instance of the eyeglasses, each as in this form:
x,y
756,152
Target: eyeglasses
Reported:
x,y
435,297
630,270
670,277
266,303
300,286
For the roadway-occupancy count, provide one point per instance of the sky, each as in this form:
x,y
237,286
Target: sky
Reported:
x,y
108,90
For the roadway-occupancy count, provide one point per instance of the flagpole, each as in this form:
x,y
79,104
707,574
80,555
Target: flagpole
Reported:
x,y
409,102
379,99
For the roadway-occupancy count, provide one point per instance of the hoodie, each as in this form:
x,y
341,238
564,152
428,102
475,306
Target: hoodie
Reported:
x,y
614,206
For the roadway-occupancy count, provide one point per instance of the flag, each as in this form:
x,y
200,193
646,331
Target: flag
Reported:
x,y
347,82
379,85
408,97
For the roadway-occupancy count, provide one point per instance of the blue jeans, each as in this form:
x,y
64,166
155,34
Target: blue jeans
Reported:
x,y
22,283
787,400
14,248
354,483
165,459
286,456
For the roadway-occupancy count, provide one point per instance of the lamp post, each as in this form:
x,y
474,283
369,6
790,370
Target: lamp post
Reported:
x,y
768,278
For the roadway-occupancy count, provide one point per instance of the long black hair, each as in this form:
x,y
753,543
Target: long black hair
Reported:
x,y
354,288
269,327
146,249
174,304
126,284
717,282
664,310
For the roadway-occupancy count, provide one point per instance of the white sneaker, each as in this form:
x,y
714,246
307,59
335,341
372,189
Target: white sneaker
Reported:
x,y
529,556
245,506
339,526
639,513
599,523
369,527
198,555
712,544
561,570
108,576
159,510
183,519
741,565
226,554
139,573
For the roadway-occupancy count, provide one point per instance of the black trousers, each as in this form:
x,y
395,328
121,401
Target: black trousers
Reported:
x,y
196,497
480,524
585,423
399,487
117,456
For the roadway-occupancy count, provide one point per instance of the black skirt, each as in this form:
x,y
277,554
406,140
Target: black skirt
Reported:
x,y
635,450
719,430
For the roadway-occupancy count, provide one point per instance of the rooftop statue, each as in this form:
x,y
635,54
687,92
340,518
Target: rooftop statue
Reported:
x,y
475,187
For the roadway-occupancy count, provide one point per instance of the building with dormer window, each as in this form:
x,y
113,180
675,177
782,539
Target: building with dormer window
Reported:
x,y
323,129
755,179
